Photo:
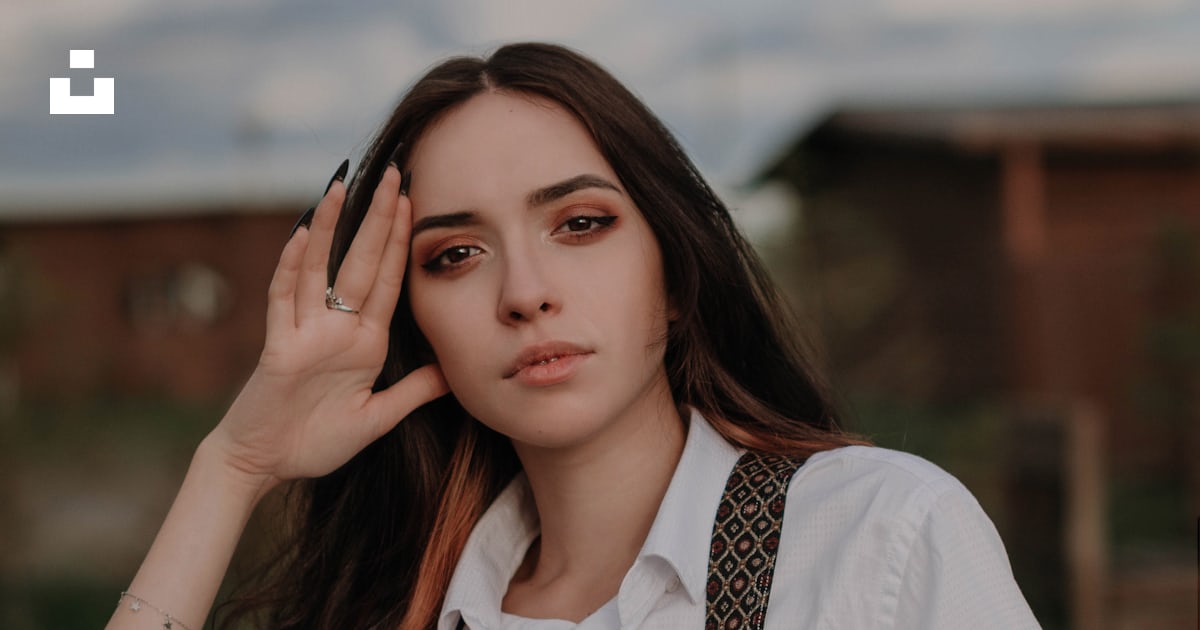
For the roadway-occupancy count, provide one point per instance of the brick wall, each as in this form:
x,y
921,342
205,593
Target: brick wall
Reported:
x,y
170,306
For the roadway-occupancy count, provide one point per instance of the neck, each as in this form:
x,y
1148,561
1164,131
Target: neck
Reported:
x,y
608,489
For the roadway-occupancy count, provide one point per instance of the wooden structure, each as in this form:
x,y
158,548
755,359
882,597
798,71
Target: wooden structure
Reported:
x,y
1009,253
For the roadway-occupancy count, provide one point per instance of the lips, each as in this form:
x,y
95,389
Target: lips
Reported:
x,y
542,354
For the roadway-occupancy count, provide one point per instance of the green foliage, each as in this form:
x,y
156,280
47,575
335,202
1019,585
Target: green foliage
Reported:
x,y
90,450
964,439
63,604
1151,506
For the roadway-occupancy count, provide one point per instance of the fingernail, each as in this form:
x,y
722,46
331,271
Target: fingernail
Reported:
x,y
394,160
405,180
339,176
305,219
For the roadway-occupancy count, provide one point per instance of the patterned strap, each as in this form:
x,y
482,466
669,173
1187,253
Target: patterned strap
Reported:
x,y
745,541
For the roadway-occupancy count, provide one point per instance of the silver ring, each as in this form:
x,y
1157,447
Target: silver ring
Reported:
x,y
334,303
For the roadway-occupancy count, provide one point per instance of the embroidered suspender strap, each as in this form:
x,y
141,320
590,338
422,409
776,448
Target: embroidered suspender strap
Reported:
x,y
745,541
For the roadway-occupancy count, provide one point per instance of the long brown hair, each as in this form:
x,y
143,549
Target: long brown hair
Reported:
x,y
376,542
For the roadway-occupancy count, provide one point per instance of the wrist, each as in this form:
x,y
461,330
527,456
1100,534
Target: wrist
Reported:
x,y
214,462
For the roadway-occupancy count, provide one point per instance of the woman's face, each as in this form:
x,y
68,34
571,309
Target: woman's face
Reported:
x,y
533,275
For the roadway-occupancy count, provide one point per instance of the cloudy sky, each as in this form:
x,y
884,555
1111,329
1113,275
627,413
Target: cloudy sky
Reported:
x,y
222,101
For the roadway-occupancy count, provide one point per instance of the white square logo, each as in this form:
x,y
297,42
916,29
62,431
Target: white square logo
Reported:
x,y
102,100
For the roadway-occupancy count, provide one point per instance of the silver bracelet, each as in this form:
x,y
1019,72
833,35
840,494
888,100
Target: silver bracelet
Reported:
x,y
136,604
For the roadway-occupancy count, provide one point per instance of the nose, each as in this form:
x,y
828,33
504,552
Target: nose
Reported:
x,y
527,292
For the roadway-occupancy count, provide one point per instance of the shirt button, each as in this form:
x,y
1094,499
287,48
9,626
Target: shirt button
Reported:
x,y
673,585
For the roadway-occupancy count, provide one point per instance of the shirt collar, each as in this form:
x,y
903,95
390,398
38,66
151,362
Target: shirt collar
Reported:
x,y
681,533
682,529
494,551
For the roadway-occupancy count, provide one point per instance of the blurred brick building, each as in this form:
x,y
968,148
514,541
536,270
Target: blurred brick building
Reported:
x,y
111,304
1033,253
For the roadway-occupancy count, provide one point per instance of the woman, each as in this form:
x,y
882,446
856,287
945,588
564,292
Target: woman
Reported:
x,y
613,349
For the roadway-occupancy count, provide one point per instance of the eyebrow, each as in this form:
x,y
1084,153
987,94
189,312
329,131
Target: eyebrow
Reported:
x,y
453,219
539,197
554,192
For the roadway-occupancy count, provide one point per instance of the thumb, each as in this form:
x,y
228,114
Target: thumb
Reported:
x,y
393,404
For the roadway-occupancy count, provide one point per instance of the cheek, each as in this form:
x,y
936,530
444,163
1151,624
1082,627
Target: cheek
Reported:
x,y
653,282
640,292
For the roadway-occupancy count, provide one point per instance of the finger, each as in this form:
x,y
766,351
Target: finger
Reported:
x,y
281,294
388,407
378,307
361,265
314,270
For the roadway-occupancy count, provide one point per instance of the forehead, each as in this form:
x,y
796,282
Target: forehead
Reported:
x,y
496,148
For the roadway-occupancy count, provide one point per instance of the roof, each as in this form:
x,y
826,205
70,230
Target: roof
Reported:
x,y
1123,126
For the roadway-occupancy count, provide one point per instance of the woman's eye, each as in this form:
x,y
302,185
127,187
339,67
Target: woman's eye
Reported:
x,y
586,224
451,256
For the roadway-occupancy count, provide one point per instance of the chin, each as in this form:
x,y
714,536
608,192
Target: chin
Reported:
x,y
550,422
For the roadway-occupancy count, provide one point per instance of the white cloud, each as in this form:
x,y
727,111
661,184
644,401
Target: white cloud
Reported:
x,y
1009,10
27,20
297,86
735,80
471,22
1127,69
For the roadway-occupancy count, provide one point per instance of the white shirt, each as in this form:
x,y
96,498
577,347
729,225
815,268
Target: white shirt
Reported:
x,y
872,538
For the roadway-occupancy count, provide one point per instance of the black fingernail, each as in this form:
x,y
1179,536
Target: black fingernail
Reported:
x,y
394,160
339,176
305,219
405,180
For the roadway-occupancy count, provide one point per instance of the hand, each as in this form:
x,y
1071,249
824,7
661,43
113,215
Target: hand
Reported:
x,y
308,406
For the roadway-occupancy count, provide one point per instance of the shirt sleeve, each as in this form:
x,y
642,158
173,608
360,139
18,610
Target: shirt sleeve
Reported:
x,y
957,573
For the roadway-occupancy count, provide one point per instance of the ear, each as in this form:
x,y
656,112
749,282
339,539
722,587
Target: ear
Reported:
x,y
672,309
